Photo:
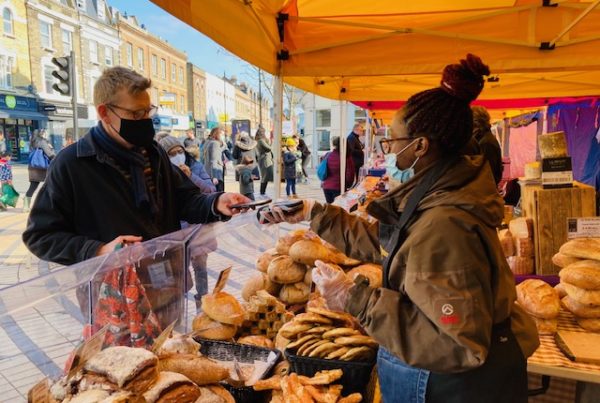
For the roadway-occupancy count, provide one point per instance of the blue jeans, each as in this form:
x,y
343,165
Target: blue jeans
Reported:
x,y
290,186
399,382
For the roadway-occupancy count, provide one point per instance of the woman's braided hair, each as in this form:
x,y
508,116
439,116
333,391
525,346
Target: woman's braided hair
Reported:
x,y
443,114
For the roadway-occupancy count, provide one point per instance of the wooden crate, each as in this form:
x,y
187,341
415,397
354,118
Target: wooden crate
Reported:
x,y
549,210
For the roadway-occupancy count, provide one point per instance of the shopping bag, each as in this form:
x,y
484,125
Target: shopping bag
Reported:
x,y
322,168
39,159
9,195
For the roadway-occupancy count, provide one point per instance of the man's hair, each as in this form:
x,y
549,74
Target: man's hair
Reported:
x,y
336,142
116,79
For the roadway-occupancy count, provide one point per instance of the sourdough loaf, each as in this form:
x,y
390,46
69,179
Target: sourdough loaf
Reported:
x,y
538,299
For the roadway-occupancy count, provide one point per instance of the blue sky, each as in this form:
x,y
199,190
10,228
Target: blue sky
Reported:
x,y
201,50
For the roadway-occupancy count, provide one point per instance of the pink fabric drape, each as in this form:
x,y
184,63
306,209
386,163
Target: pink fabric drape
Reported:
x,y
522,148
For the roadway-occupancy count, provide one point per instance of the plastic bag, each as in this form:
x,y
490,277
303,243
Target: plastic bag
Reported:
x,y
10,196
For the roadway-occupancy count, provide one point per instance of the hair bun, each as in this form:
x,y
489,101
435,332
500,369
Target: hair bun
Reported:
x,y
465,80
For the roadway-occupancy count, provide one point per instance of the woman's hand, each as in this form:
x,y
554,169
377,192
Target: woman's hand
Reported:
x,y
186,170
215,181
120,241
333,285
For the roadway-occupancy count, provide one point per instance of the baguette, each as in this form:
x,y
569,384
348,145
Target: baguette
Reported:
x,y
201,370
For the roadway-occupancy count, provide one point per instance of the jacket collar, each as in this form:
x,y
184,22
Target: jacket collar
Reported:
x,y
86,146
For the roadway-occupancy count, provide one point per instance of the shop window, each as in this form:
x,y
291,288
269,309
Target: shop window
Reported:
x,y
48,79
7,64
67,40
140,58
93,51
108,56
7,19
46,34
324,137
154,65
324,118
129,51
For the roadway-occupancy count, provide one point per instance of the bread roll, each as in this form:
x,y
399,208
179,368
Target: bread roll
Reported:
x,y
272,287
562,260
584,274
580,310
296,293
223,307
285,242
308,277
583,248
372,271
581,295
589,324
263,260
207,328
538,298
255,283
284,270
546,326
201,370
307,252
172,387
260,341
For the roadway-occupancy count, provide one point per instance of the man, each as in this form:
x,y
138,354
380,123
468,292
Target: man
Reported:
x,y
116,185
488,145
192,144
355,148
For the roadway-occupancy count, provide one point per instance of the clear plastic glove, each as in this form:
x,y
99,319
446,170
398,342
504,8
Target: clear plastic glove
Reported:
x,y
332,284
275,215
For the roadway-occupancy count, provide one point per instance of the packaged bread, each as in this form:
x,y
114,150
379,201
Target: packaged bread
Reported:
x,y
583,248
263,260
521,227
296,293
372,271
206,328
284,270
506,241
131,369
580,310
581,295
589,324
523,247
546,326
285,242
583,274
223,307
520,265
538,299
172,387
201,370
562,260
259,341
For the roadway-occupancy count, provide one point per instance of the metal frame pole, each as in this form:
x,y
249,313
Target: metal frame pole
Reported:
x,y
277,128
343,148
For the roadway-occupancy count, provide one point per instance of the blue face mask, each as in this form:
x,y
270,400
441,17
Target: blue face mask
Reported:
x,y
392,170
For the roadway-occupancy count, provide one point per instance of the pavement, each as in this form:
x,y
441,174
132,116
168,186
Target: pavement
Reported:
x,y
36,340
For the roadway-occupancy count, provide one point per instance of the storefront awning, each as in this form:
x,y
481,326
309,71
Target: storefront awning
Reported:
x,y
22,115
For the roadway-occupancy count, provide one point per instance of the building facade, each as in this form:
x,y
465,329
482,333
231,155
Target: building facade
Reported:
x,y
196,90
220,102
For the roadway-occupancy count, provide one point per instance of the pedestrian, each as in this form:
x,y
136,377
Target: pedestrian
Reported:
x,y
290,156
488,144
198,249
6,177
213,158
265,159
303,148
446,320
116,185
3,147
355,148
245,146
245,172
37,172
332,184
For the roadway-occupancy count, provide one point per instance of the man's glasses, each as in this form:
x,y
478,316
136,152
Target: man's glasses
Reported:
x,y
386,145
137,114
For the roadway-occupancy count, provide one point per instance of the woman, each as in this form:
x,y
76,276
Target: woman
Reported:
x,y
332,184
265,159
445,318
245,146
213,158
37,174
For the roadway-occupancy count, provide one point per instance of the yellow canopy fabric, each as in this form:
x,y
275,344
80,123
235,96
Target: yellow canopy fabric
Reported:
x,y
389,49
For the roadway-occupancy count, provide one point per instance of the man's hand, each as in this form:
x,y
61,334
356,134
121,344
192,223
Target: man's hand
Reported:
x,y
122,240
186,170
230,199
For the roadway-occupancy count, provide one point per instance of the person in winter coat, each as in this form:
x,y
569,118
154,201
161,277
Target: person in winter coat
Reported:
x,y
245,173
116,186
332,184
213,158
355,148
303,148
36,174
488,144
265,159
445,318
290,156
245,146
197,174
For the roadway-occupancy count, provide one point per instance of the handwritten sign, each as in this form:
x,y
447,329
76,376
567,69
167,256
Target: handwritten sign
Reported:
x,y
222,281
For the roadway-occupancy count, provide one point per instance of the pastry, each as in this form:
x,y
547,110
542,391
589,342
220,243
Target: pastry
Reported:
x,y
284,270
359,340
358,354
206,328
223,307
311,317
373,272
199,369
260,341
296,293
253,284
262,263
172,387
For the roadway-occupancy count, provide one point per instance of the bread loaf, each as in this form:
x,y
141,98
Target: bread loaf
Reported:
x,y
252,285
523,247
263,260
546,326
562,260
581,295
284,270
583,248
538,299
580,310
296,293
520,265
285,242
591,325
260,341
583,274
506,241
373,272
307,252
179,344
201,370
172,387
223,307
206,328
560,289
521,227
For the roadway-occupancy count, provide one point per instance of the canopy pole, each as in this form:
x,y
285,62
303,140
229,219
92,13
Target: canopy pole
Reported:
x,y
343,148
368,127
574,22
277,129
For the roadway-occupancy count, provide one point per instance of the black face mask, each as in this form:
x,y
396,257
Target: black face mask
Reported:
x,y
137,132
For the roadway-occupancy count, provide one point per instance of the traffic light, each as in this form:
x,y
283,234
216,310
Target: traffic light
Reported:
x,y
63,73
